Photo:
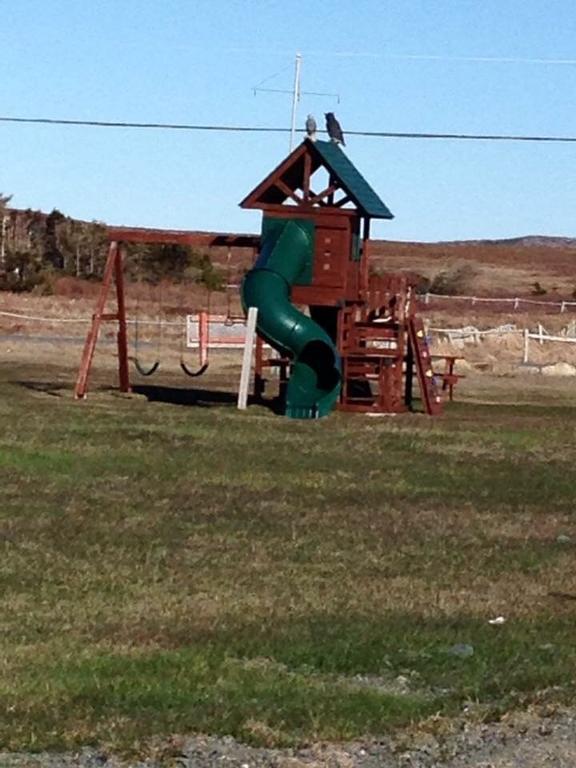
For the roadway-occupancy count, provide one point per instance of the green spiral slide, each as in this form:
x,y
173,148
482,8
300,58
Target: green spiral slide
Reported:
x,y
285,259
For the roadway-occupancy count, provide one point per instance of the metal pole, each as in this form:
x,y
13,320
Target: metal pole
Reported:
x,y
295,99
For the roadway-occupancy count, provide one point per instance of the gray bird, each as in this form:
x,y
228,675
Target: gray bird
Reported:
x,y
333,128
311,127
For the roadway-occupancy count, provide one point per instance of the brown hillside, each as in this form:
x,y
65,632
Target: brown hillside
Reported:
x,y
489,268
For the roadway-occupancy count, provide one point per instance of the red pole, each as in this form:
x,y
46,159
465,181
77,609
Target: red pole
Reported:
x,y
203,337
92,336
122,338
365,267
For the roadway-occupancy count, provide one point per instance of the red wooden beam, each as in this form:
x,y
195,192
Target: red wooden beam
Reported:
x,y
328,192
304,210
92,336
342,201
253,200
181,237
307,175
122,335
287,191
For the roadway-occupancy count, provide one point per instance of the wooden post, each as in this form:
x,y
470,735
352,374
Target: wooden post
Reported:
x,y
259,381
247,358
203,337
364,266
92,336
122,337
307,174
409,375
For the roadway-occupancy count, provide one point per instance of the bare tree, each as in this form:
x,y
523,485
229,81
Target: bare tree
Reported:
x,y
4,200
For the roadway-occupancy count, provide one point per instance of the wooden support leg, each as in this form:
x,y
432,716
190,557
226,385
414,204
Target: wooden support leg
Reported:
x,y
92,336
409,378
123,370
283,381
259,381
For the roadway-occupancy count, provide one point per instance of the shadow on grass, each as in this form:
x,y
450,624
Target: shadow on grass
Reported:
x,y
204,398
154,393
179,396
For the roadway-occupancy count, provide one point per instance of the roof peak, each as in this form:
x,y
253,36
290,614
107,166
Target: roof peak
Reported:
x,y
291,182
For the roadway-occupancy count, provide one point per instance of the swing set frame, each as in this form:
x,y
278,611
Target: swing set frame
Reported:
x,y
113,281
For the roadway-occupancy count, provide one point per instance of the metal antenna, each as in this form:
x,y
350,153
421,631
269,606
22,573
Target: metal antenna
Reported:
x,y
295,92
295,98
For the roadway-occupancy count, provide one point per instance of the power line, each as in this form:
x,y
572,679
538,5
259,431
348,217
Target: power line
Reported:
x,y
264,129
537,60
461,136
158,126
441,57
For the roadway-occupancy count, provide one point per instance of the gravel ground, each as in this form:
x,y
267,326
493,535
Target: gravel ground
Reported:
x,y
525,740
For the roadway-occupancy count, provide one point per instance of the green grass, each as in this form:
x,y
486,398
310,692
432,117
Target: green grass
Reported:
x,y
166,569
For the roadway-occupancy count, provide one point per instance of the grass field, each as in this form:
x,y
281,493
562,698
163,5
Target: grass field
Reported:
x,y
169,569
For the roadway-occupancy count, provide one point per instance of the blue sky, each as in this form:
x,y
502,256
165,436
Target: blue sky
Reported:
x,y
197,61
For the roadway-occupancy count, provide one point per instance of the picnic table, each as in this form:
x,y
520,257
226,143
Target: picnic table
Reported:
x,y
447,374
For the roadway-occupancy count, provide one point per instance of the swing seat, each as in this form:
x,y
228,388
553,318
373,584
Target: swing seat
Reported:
x,y
146,371
191,373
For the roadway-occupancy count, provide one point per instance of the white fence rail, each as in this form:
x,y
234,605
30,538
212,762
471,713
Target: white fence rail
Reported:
x,y
516,303
542,336
472,335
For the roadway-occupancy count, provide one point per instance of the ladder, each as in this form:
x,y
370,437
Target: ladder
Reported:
x,y
423,364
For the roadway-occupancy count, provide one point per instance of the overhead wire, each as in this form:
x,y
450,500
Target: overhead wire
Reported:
x,y
537,60
267,129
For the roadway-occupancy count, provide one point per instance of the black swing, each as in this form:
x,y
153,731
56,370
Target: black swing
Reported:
x,y
142,370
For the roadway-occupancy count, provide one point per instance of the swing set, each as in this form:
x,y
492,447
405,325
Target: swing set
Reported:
x,y
151,370
113,287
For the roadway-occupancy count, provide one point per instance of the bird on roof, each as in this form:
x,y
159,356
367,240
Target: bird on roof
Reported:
x,y
333,128
311,127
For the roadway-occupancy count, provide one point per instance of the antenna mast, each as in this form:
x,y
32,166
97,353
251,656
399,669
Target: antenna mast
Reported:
x,y
295,98
295,92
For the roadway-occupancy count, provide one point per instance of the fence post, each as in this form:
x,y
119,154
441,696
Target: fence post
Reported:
x,y
516,303
563,307
526,343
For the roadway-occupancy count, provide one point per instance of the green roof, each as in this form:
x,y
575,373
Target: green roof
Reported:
x,y
351,179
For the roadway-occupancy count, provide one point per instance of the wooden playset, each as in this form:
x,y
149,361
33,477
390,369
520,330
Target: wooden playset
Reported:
x,y
345,338
371,319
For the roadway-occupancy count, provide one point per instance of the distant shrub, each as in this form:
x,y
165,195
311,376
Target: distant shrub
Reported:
x,y
538,290
157,262
455,281
422,284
